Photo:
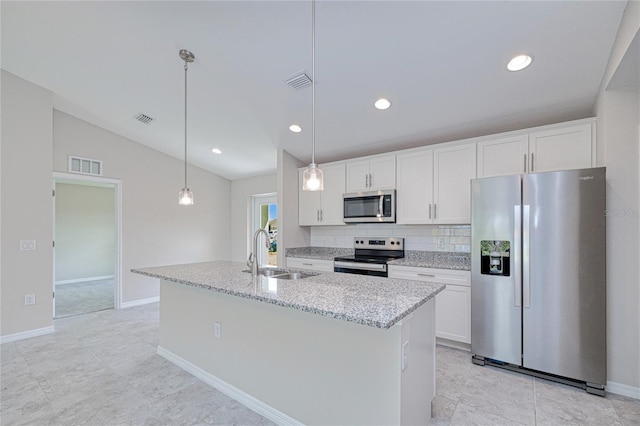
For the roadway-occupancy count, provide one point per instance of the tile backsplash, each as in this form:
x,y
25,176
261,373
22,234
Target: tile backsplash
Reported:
x,y
417,237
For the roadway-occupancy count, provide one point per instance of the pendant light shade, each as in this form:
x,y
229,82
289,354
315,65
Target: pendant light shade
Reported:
x,y
185,197
312,179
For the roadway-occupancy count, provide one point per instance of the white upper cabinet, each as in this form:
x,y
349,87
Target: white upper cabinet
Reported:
x,y
453,169
560,147
434,185
371,174
323,207
507,156
414,195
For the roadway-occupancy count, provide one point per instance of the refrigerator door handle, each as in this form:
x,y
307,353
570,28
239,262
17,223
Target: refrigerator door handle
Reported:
x,y
517,242
526,289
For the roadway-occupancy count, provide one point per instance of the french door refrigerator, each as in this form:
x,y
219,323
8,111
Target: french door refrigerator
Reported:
x,y
538,275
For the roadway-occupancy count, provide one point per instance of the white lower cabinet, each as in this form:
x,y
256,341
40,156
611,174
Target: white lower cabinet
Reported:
x,y
311,264
453,304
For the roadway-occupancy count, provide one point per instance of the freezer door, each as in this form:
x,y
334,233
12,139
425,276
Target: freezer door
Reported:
x,y
564,274
495,278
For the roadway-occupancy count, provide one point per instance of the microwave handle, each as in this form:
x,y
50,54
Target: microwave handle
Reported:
x,y
381,206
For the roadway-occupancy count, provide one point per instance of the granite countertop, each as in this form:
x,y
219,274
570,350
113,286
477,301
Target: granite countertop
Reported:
x,y
435,259
372,301
320,253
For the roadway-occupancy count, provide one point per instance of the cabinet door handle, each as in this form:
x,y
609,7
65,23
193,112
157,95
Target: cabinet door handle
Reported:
x,y
435,211
317,215
532,168
429,211
366,180
525,163
370,180
426,275
307,264
321,215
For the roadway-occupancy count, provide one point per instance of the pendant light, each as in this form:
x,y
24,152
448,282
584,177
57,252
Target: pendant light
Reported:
x,y
312,179
185,198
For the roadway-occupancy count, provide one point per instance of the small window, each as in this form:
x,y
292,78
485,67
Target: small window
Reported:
x,y
85,166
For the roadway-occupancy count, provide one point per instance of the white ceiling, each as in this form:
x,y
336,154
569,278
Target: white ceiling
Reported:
x,y
441,63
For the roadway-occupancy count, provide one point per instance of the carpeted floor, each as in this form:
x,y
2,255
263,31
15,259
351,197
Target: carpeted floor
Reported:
x,y
84,297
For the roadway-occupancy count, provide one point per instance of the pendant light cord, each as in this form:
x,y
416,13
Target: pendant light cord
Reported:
x,y
185,124
313,82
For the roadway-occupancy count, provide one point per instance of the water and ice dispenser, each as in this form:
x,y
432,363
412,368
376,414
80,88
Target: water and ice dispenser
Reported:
x,y
494,257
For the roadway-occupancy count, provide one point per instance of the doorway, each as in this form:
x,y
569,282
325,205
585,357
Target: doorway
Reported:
x,y
86,249
265,215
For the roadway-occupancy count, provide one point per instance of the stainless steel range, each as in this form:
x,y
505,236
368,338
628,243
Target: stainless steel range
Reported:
x,y
371,256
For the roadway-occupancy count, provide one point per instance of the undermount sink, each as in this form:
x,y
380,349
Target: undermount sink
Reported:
x,y
283,274
271,272
294,276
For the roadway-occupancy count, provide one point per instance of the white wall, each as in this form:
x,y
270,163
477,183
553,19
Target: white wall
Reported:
x,y
27,210
155,230
85,230
241,192
289,233
618,110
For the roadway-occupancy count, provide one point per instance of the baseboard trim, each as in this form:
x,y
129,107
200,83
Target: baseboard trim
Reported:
x,y
453,344
231,391
624,390
81,280
139,302
26,334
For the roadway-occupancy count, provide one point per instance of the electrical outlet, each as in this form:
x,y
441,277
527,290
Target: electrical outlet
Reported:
x,y
405,354
27,245
29,299
440,243
217,327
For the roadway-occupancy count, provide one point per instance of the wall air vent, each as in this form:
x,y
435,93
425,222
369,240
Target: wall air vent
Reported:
x,y
85,166
299,80
143,118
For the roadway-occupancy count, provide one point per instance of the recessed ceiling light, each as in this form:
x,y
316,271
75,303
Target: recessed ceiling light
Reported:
x,y
216,150
295,128
382,103
519,62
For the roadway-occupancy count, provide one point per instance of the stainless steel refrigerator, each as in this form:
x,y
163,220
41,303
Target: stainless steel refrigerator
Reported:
x,y
538,275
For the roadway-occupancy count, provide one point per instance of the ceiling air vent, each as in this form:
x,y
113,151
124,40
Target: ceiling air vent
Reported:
x,y
299,81
143,118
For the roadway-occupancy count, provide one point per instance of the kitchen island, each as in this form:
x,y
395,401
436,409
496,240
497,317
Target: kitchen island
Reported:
x,y
328,349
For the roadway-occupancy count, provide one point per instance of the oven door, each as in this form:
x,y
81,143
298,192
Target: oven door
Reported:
x,y
374,206
361,268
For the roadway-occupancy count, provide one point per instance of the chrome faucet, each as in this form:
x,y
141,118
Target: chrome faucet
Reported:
x,y
255,253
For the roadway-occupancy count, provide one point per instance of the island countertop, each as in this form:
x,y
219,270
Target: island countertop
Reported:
x,y
372,301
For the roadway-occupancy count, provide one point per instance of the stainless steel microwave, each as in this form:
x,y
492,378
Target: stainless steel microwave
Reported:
x,y
372,206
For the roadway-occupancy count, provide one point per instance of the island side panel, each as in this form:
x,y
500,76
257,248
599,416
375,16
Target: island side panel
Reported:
x,y
419,376
315,369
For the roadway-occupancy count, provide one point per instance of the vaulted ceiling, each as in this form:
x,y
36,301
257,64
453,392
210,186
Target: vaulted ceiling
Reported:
x,y
441,63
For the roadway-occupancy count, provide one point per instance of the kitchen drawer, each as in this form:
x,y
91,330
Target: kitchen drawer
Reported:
x,y
444,276
311,264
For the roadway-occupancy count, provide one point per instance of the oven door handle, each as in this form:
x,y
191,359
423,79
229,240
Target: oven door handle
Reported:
x,y
363,266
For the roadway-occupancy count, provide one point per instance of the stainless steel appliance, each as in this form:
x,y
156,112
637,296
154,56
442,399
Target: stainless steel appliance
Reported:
x,y
538,275
370,256
372,206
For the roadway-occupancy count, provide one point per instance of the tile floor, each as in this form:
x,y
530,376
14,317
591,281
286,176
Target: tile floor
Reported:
x,y
101,369
84,297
